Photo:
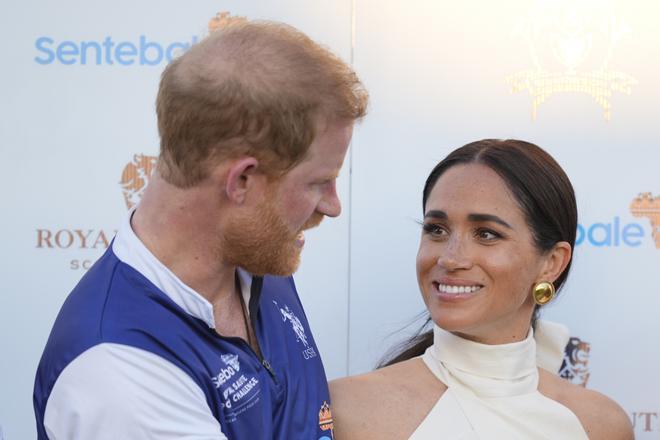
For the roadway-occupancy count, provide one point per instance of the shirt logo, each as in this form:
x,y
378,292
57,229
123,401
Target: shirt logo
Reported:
x,y
231,360
298,329
239,391
325,418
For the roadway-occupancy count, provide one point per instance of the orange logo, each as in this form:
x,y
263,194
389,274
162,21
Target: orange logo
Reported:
x,y
135,177
223,19
575,366
645,205
325,417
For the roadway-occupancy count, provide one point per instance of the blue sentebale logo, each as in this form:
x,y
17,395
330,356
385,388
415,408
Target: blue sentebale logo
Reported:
x,y
610,234
108,52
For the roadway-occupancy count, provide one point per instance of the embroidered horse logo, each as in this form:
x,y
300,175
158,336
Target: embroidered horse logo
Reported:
x,y
299,330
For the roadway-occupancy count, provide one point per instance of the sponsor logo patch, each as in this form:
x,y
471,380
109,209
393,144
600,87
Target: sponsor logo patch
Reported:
x,y
239,391
325,418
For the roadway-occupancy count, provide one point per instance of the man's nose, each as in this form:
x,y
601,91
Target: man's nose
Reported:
x,y
330,205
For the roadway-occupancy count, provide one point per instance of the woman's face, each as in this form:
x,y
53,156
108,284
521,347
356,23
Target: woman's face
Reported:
x,y
477,262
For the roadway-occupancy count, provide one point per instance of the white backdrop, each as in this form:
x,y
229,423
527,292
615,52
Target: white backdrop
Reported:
x,y
440,74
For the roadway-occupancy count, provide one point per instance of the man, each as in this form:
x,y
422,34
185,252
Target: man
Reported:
x,y
190,326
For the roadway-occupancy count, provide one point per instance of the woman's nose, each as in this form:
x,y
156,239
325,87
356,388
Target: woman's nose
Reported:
x,y
455,255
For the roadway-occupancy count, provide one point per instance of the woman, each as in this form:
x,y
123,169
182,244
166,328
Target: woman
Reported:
x,y
499,227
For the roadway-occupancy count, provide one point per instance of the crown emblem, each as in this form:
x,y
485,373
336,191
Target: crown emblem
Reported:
x,y
645,205
223,19
325,417
135,177
571,44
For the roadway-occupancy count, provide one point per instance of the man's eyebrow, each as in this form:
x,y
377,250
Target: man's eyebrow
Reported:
x,y
488,218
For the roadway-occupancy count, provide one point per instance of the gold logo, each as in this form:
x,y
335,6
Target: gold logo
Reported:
x,y
135,177
571,43
575,366
223,19
325,417
645,205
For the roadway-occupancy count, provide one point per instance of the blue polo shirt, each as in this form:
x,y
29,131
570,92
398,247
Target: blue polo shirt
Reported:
x,y
133,354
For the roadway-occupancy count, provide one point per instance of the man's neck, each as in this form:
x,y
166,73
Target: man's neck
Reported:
x,y
180,227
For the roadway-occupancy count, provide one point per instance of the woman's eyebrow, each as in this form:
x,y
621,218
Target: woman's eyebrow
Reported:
x,y
436,213
478,217
488,218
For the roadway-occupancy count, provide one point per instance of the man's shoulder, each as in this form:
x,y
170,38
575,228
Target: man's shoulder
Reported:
x,y
111,295
112,304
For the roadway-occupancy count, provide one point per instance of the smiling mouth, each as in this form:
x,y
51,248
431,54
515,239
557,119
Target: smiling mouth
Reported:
x,y
449,289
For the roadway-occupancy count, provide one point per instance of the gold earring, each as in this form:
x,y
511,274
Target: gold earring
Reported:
x,y
544,292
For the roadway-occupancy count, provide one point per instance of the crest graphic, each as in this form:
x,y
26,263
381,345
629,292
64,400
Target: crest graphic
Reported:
x,y
299,330
135,177
325,417
575,366
231,360
223,19
571,43
645,205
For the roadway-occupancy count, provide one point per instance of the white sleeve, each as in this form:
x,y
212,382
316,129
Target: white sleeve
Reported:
x,y
114,391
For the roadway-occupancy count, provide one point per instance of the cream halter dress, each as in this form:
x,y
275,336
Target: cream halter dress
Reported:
x,y
492,389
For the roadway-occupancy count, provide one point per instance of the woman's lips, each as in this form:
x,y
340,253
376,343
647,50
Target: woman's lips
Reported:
x,y
453,291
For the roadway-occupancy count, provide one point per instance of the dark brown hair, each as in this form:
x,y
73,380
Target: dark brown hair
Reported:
x,y
543,192
253,87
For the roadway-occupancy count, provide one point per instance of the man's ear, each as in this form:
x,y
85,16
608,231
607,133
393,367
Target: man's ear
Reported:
x,y
556,261
241,177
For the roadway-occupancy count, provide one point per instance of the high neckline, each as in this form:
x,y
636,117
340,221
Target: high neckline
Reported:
x,y
492,390
485,370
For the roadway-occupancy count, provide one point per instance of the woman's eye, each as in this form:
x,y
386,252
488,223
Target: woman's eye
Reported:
x,y
487,235
434,229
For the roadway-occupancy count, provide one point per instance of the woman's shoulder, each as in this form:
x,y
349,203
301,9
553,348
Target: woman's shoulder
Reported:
x,y
601,417
382,376
364,405
393,382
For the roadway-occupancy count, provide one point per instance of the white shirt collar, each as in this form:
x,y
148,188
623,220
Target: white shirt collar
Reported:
x,y
130,250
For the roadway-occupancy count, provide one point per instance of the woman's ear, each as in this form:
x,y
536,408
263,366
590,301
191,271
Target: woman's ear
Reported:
x,y
556,261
